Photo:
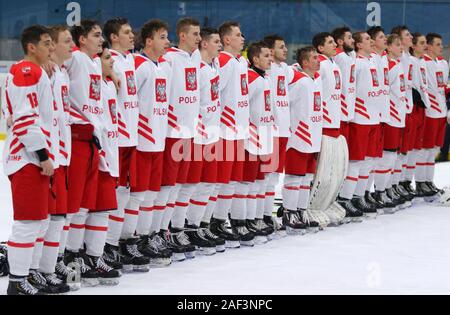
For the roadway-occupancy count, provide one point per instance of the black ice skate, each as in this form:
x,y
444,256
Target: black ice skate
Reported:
x,y
246,238
360,203
268,229
424,191
218,241
280,230
112,257
107,276
438,192
352,213
219,228
159,256
382,198
311,225
89,277
21,286
68,275
396,199
293,222
400,190
261,236
178,251
37,280
198,239
53,280
132,258
370,200
408,187
179,237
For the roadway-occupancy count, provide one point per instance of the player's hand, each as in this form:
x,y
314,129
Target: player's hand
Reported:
x,y
49,68
47,168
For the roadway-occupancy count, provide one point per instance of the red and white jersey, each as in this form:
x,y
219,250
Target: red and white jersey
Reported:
x,y
368,92
85,76
347,65
331,92
419,79
397,94
60,84
406,61
184,93
233,85
280,75
153,96
208,126
437,71
30,104
109,155
382,64
128,103
262,120
305,99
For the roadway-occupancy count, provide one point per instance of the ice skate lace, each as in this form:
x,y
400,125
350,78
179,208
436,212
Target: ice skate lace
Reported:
x,y
62,269
182,238
83,267
402,190
242,230
133,250
160,242
103,266
209,234
27,287
261,225
38,278
53,279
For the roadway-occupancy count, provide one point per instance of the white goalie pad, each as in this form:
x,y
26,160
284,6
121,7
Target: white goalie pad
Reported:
x,y
331,172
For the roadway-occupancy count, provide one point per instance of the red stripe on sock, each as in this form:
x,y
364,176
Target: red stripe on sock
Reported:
x,y
224,197
66,228
159,208
171,205
51,244
20,245
270,194
353,179
40,240
117,219
198,203
363,177
261,196
182,204
131,212
213,199
239,196
97,228
147,209
77,226
291,188
305,188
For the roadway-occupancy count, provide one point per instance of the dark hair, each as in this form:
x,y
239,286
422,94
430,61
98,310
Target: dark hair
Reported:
x,y
320,39
303,54
415,40
374,30
254,50
358,38
431,37
151,27
32,35
55,30
206,33
226,28
85,27
113,27
392,38
272,39
184,24
399,30
339,33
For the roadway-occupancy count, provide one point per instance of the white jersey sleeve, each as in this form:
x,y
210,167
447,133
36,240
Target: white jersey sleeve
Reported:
x,y
397,95
280,75
406,62
437,71
347,64
419,79
332,90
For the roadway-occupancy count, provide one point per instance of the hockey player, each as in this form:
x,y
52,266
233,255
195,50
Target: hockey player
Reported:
x,y
280,75
394,127
119,34
364,125
435,121
305,99
203,171
152,81
86,108
28,161
234,123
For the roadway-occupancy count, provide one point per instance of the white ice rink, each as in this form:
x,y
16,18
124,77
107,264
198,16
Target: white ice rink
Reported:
x,y
405,253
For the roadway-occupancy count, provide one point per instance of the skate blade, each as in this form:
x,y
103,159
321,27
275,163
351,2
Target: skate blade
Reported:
x,y
141,269
178,257
380,211
389,211
431,199
313,230
190,255
295,232
347,220
109,282
90,283
357,220
261,240
160,263
232,244
247,243
221,248
206,251
74,286
371,216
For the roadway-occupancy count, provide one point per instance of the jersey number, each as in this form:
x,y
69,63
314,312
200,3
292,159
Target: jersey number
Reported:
x,y
32,97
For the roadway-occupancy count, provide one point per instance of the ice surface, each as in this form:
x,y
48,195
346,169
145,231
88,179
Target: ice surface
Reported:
x,y
404,253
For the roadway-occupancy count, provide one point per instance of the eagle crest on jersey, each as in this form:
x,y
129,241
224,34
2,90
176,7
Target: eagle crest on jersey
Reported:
x,y
375,82
112,110
131,83
402,83
94,88
281,87
267,101
317,102
215,89
352,73
337,77
191,79
160,88
65,98
244,85
440,79
424,75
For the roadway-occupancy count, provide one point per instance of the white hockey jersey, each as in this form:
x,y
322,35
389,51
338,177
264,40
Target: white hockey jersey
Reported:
x,y
382,64
109,154
153,96
233,85
280,75
406,61
419,79
208,126
30,103
85,76
368,92
184,93
397,95
60,84
437,72
262,120
347,65
331,92
305,99
128,103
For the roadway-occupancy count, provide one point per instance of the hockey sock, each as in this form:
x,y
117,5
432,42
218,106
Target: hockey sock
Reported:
x,y
21,246
160,208
304,192
116,218
384,170
168,213
269,202
371,180
39,245
64,233
198,203
146,212
411,165
76,232
212,203
224,199
398,169
363,177
251,201
181,206
421,165
290,191
95,234
132,214
261,197
431,160
51,244
238,209
348,189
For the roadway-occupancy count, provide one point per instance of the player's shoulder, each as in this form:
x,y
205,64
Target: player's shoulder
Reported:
x,y
139,61
427,58
252,76
26,73
224,59
322,58
392,63
298,76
